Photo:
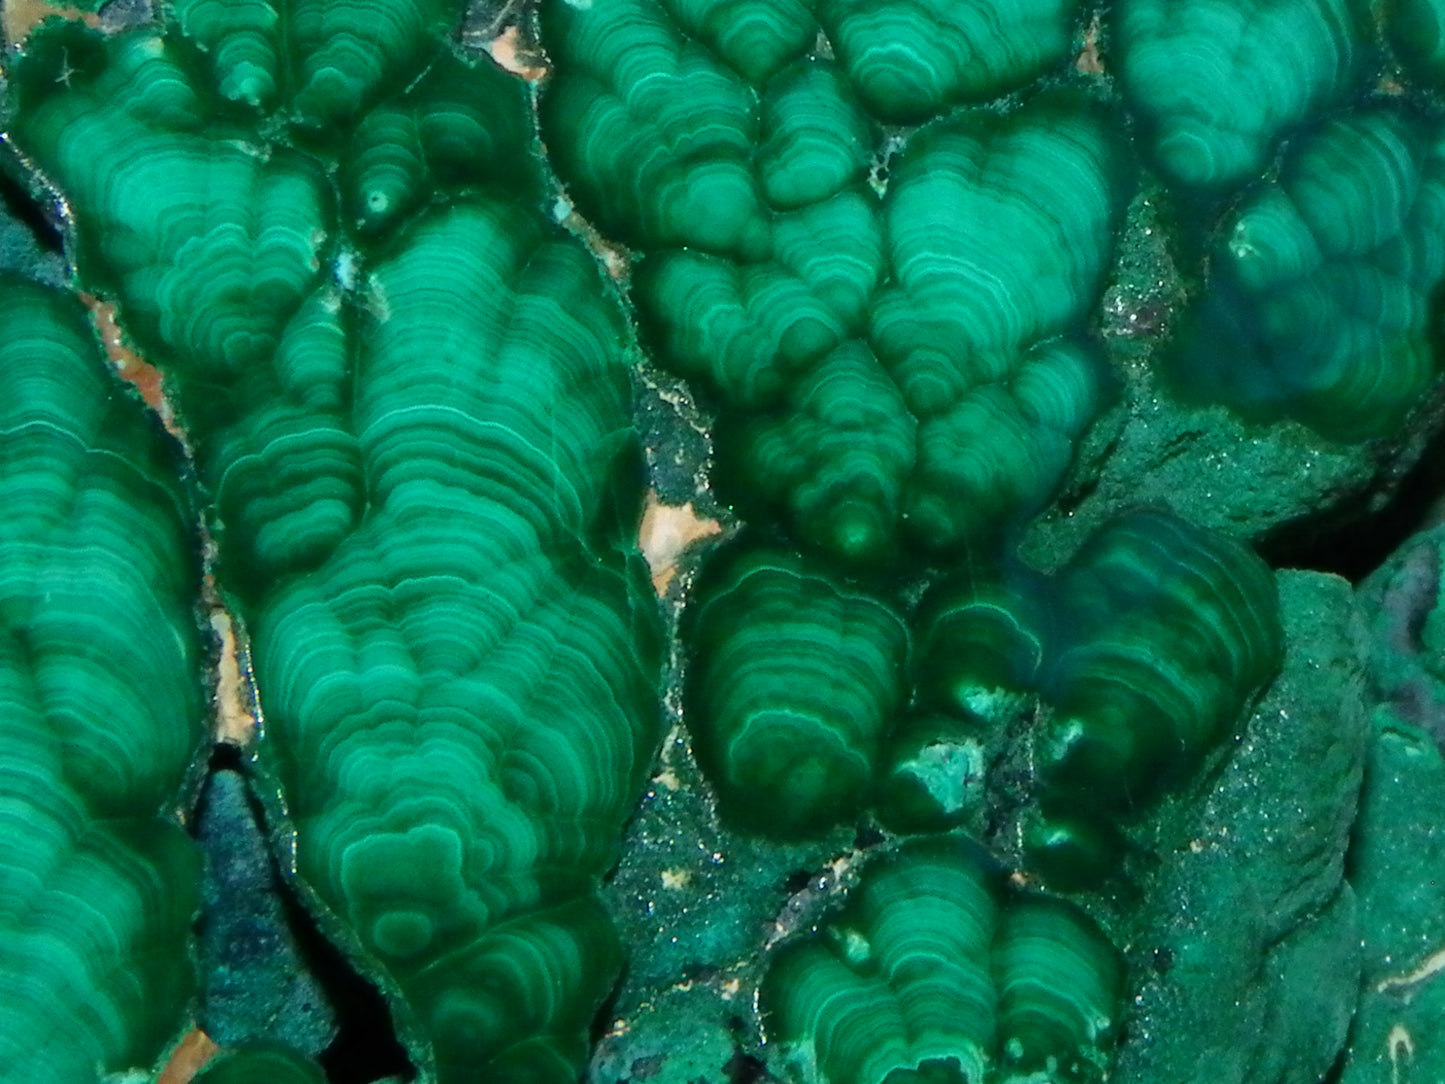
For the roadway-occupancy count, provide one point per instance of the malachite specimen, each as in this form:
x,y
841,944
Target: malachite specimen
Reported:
x,y
1214,83
907,366
1321,299
938,972
795,680
409,399
261,1062
1132,662
1163,632
100,707
1416,31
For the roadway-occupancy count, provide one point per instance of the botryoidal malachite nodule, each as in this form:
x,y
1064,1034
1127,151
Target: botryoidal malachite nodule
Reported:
x,y
100,707
796,681
409,401
937,971
911,366
1142,652
1320,303
1214,83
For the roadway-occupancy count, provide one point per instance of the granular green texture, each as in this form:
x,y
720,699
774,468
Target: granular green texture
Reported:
x,y
795,681
100,708
1398,861
937,973
912,366
1216,82
1321,299
409,398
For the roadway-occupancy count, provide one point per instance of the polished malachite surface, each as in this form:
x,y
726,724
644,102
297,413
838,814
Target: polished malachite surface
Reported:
x,y
797,681
937,970
1320,303
409,399
908,361
100,707
984,764
1215,83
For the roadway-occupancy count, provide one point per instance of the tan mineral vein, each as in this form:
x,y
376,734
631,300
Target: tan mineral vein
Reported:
x,y
666,533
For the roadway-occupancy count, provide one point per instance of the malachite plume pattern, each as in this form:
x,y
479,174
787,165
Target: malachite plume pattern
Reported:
x,y
1321,302
937,971
907,362
100,707
409,400
1215,83
796,681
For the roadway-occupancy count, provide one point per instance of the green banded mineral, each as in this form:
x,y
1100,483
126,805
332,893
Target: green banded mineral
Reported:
x,y
913,366
409,399
1216,82
1320,304
794,682
271,1063
935,971
1165,633
1416,30
910,59
100,708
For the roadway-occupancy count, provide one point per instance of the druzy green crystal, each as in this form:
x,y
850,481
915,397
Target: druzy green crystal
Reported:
x,y
409,400
100,708
1216,82
795,681
908,365
937,971
1320,303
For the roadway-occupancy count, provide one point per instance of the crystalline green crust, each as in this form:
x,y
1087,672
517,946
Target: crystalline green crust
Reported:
x,y
413,421
100,708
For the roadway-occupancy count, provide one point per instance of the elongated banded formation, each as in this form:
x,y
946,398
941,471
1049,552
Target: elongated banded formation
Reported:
x,y
100,708
911,367
1321,300
409,401
937,971
1215,83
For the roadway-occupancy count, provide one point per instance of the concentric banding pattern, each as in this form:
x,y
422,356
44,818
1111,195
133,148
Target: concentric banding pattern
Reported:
x,y
794,683
1165,632
100,708
912,366
413,417
1321,303
936,970
1216,82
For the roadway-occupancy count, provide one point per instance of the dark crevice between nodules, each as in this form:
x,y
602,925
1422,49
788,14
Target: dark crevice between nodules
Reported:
x,y
252,947
1354,540
19,206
